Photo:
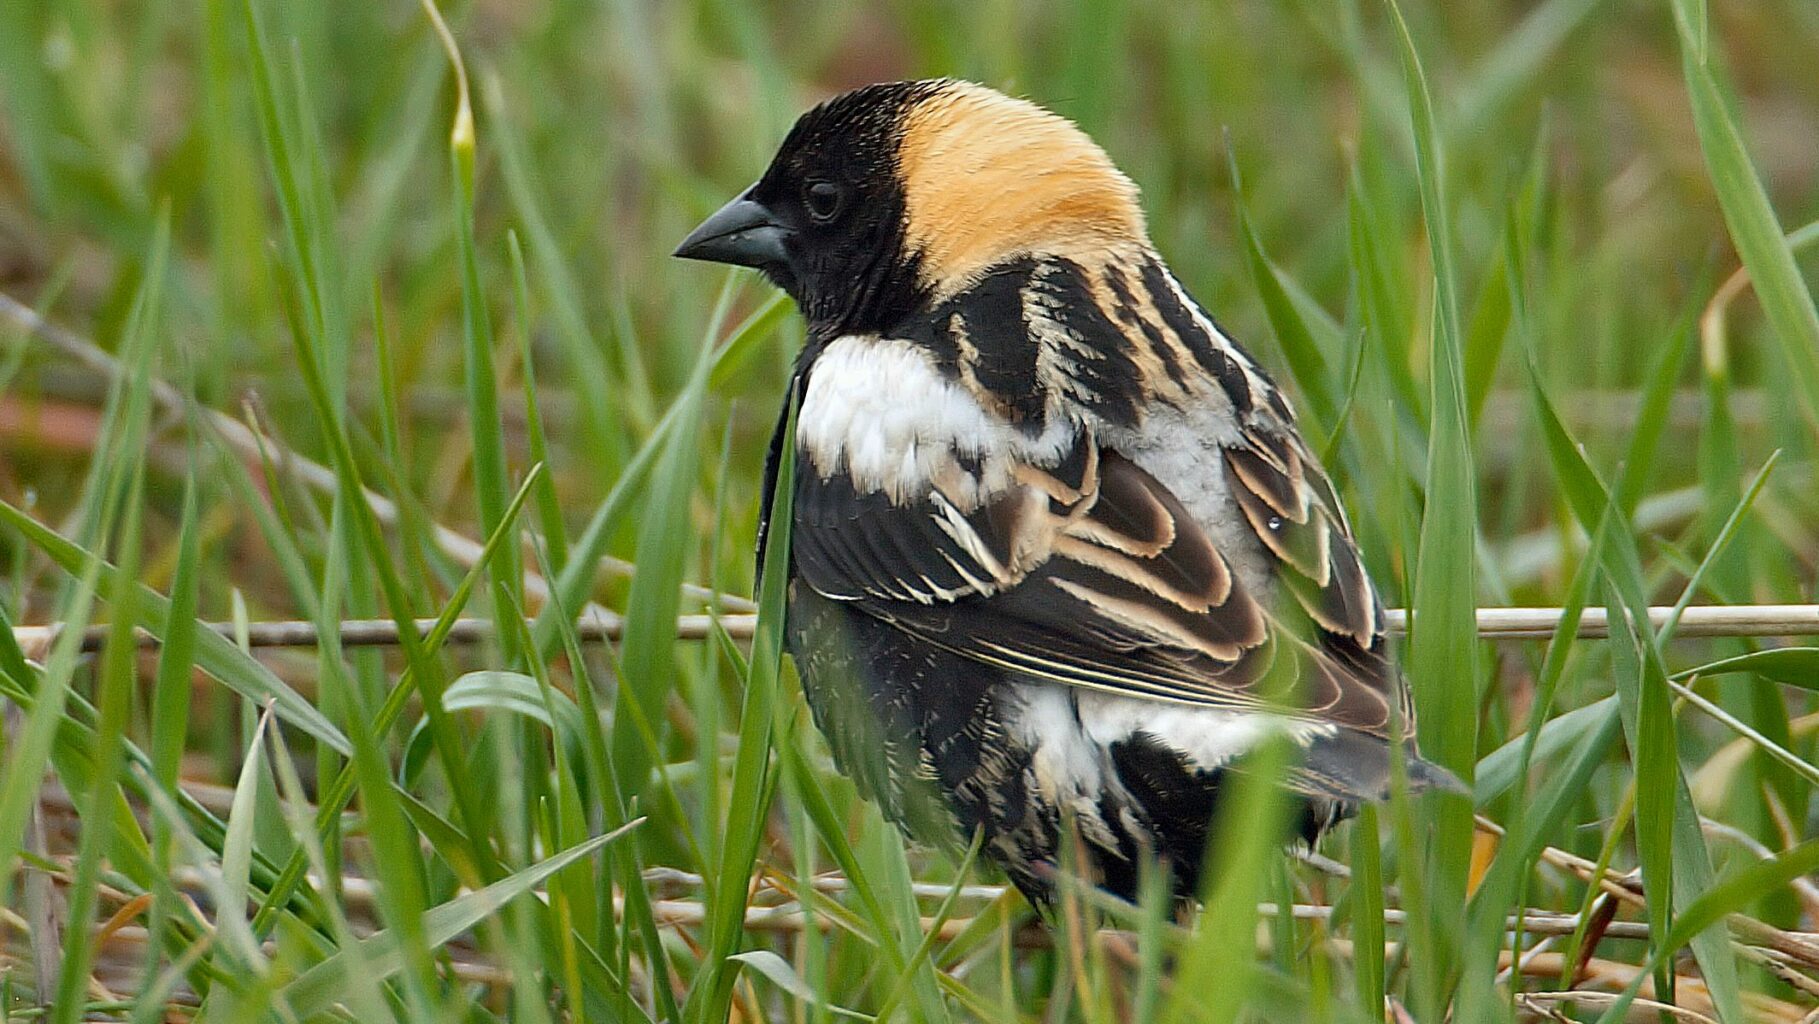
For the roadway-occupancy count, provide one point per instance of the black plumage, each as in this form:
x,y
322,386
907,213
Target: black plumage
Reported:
x,y
1054,533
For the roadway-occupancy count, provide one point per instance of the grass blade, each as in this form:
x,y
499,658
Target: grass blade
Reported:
x,y
214,654
317,989
1765,250
1443,652
1677,867
753,781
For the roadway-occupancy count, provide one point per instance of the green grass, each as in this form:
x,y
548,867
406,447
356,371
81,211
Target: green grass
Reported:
x,y
1490,246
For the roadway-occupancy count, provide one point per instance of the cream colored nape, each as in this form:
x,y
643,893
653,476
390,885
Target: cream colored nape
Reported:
x,y
988,178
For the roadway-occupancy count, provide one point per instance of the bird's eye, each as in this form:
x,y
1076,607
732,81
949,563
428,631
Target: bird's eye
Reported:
x,y
822,199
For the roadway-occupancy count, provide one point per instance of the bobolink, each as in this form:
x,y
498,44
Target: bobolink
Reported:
x,y
1052,527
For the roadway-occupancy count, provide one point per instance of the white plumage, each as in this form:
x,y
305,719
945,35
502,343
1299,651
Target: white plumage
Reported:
x,y
879,409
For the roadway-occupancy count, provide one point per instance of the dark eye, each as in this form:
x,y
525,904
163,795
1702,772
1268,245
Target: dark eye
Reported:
x,y
822,199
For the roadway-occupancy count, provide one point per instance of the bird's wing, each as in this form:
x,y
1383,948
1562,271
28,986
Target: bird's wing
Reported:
x,y
1292,509
1091,573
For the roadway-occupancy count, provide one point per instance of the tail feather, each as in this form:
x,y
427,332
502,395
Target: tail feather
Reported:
x,y
1355,768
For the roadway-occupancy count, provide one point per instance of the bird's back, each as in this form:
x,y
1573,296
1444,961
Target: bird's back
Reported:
x,y
977,628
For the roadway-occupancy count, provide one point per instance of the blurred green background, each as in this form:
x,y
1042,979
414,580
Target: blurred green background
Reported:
x,y
218,194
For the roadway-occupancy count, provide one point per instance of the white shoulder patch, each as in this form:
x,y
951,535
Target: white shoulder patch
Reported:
x,y
880,409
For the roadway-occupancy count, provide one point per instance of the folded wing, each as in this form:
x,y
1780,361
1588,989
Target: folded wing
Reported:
x,y
1091,573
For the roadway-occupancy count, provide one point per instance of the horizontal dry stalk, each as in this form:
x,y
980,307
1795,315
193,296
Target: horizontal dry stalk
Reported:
x,y
1545,1003
1782,953
789,917
1773,948
361,892
1760,620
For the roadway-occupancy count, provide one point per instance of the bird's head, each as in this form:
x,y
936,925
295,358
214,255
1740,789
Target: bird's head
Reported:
x,y
886,199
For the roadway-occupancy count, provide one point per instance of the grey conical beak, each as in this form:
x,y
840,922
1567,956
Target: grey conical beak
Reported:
x,y
742,233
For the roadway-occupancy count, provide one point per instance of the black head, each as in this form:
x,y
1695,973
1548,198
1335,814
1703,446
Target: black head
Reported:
x,y
826,221
892,196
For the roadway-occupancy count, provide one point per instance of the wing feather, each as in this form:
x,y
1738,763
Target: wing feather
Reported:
x,y
1079,566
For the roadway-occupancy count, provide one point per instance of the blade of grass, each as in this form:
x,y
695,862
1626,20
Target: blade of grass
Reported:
x,y
549,509
1306,358
336,796
647,658
1497,772
318,988
214,654
605,788
237,856
497,690
1676,865
1778,751
289,158
490,487
782,975
883,858
832,830
396,848
248,995
570,906
73,755
577,578
914,968
426,671
1367,910
414,530
1726,533
1520,57
361,993
116,483
1792,666
171,700
1761,244
1739,890
609,443
1494,316
115,698
1443,651
1217,974
753,782
1504,884
1371,248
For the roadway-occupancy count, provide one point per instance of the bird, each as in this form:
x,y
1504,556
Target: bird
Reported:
x,y
1055,539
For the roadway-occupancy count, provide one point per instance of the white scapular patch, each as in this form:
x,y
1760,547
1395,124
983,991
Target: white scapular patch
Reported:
x,y
881,410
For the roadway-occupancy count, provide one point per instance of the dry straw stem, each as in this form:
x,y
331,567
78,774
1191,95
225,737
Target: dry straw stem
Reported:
x,y
1615,975
787,919
599,625
1784,954
1705,620
774,909
247,445
1546,1004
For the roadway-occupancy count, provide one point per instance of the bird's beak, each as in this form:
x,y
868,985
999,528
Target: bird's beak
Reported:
x,y
742,233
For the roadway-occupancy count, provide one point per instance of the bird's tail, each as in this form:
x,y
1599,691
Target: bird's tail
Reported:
x,y
1354,767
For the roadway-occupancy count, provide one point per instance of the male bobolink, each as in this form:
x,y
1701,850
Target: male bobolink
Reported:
x,y
1052,527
